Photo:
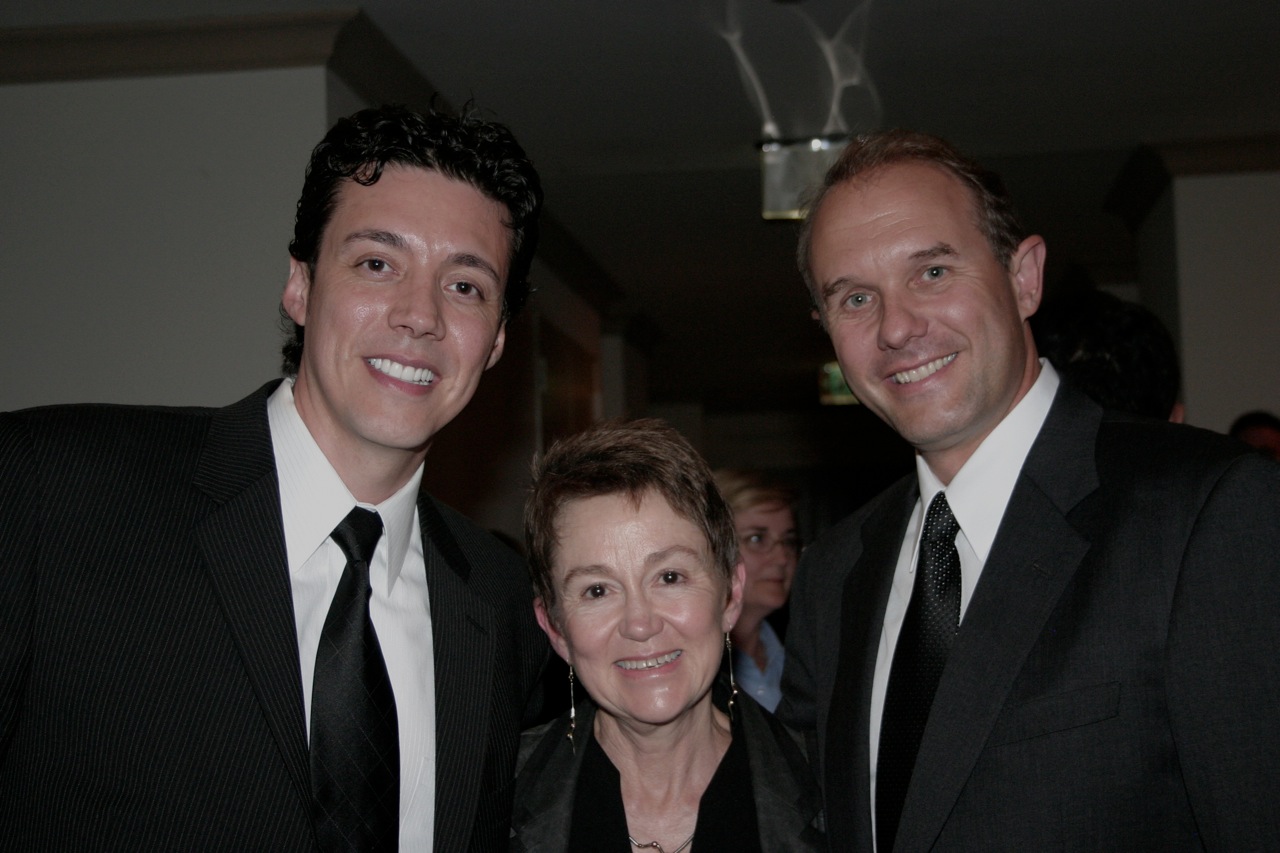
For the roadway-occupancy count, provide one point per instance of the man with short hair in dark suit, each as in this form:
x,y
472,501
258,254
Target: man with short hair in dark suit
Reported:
x,y
249,628
1063,632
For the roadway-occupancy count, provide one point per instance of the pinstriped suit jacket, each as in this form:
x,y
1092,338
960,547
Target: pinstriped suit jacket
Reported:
x,y
150,695
1115,683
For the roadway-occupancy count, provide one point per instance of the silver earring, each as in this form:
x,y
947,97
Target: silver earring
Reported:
x,y
573,714
733,685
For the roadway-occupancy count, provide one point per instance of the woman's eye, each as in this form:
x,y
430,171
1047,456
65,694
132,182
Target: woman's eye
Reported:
x,y
671,577
594,591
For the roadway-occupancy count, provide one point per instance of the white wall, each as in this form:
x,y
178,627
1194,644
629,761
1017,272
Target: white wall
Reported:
x,y
144,226
1228,267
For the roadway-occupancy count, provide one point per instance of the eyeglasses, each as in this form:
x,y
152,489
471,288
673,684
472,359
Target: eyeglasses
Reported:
x,y
760,544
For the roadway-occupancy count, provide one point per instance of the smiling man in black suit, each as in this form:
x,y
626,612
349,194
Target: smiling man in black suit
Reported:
x,y
1063,632
249,628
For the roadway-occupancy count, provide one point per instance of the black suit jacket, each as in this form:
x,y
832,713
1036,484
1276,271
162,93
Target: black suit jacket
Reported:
x,y
150,692
1115,683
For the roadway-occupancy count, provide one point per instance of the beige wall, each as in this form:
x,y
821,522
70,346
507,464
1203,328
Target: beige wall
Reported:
x,y
144,231
1228,264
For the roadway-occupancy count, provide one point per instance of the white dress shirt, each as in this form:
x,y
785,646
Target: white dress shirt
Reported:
x,y
313,500
978,495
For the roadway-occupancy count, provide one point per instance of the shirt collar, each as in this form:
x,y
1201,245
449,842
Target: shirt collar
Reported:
x,y
313,498
979,492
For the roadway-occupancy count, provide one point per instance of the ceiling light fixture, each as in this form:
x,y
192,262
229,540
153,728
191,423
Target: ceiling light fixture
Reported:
x,y
790,168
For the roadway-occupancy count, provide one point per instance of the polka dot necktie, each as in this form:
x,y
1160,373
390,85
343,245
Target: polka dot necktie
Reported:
x,y
923,645
355,749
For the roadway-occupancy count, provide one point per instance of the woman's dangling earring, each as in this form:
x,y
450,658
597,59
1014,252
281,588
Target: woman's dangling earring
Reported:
x,y
733,685
573,714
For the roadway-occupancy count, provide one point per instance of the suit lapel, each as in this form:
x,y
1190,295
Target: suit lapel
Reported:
x,y
462,631
865,596
1034,556
242,541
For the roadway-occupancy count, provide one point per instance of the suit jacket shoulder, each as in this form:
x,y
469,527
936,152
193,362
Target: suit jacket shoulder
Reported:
x,y
495,574
150,659
499,572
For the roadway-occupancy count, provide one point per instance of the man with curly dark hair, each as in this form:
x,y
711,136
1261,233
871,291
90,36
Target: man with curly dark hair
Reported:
x,y
249,628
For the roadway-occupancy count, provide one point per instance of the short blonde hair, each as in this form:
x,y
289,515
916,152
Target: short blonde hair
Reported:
x,y
746,490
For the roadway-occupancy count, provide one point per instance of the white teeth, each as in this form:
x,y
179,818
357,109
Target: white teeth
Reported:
x,y
908,376
651,662
415,375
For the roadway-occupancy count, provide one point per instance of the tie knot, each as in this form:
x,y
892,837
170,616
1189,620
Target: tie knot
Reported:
x,y
940,523
358,534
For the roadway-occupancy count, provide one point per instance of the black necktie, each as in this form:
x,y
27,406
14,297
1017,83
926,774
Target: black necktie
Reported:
x,y
355,750
923,645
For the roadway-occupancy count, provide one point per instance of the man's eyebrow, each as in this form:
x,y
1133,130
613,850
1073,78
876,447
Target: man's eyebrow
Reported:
x,y
466,259
940,250
396,241
386,238
833,287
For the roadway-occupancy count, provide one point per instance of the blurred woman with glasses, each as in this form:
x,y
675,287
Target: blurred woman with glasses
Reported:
x,y
770,546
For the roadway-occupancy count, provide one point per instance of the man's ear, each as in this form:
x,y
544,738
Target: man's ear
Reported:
x,y
548,626
297,291
1026,272
499,343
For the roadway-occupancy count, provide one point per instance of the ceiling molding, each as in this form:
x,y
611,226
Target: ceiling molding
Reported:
x,y
1221,156
345,41
377,71
1152,168
180,46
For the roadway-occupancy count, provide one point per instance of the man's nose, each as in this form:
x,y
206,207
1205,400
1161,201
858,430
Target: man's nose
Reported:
x,y
416,309
900,321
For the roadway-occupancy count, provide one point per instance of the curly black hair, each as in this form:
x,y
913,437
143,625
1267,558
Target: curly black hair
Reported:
x,y
481,153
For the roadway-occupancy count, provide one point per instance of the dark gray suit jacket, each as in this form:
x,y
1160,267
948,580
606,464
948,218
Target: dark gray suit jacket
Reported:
x,y
1115,683
150,693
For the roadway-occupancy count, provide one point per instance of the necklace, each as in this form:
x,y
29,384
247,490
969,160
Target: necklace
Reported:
x,y
653,845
